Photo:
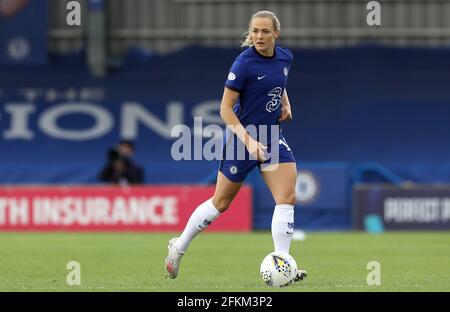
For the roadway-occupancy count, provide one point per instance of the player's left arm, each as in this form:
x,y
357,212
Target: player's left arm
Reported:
x,y
286,113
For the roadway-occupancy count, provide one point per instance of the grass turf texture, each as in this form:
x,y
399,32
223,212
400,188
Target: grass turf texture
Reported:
x,y
222,262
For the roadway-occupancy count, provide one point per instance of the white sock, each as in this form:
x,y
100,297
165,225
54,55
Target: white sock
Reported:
x,y
200,219
282,227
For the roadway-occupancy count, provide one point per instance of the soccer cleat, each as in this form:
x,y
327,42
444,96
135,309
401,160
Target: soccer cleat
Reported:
x,y
301,274
173,259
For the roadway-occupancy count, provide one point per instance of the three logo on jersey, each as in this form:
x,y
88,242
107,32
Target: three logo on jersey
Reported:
x,y
275,93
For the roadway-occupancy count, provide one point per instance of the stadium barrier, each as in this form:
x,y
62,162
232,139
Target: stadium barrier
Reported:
x,y
105,208
377,207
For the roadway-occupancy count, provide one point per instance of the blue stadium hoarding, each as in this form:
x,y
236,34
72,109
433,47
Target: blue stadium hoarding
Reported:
x,y
413,207
363,119
23,34
57,121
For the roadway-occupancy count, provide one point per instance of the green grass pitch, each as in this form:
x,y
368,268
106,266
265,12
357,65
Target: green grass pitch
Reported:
x,y
222,262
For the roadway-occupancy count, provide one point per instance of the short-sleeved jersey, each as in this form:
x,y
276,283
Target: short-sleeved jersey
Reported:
x,y
260,81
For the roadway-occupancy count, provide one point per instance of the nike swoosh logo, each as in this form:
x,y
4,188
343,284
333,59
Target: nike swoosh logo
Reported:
x,y
259,78
290,233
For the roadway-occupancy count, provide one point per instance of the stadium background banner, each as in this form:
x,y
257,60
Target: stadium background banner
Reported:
x,y
23,37
61,115
402,208
158,208
323,201
57,121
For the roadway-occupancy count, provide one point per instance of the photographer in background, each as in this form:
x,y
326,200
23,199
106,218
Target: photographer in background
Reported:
x,y
120,168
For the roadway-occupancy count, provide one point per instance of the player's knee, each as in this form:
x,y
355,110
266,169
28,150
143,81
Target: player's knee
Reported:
x,y
285,199
221,204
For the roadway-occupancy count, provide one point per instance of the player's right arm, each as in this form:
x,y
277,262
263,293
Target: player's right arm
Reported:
x,y
255,148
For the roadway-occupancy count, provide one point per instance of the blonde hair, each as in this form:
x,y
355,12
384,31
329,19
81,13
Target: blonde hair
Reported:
x,y
260,14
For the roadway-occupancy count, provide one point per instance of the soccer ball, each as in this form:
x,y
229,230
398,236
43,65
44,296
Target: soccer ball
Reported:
x,y
278,269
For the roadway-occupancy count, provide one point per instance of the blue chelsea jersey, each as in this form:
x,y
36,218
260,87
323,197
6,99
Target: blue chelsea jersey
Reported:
x,y
260,81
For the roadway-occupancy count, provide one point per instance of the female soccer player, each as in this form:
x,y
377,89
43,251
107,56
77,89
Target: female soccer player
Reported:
x,y
254,95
